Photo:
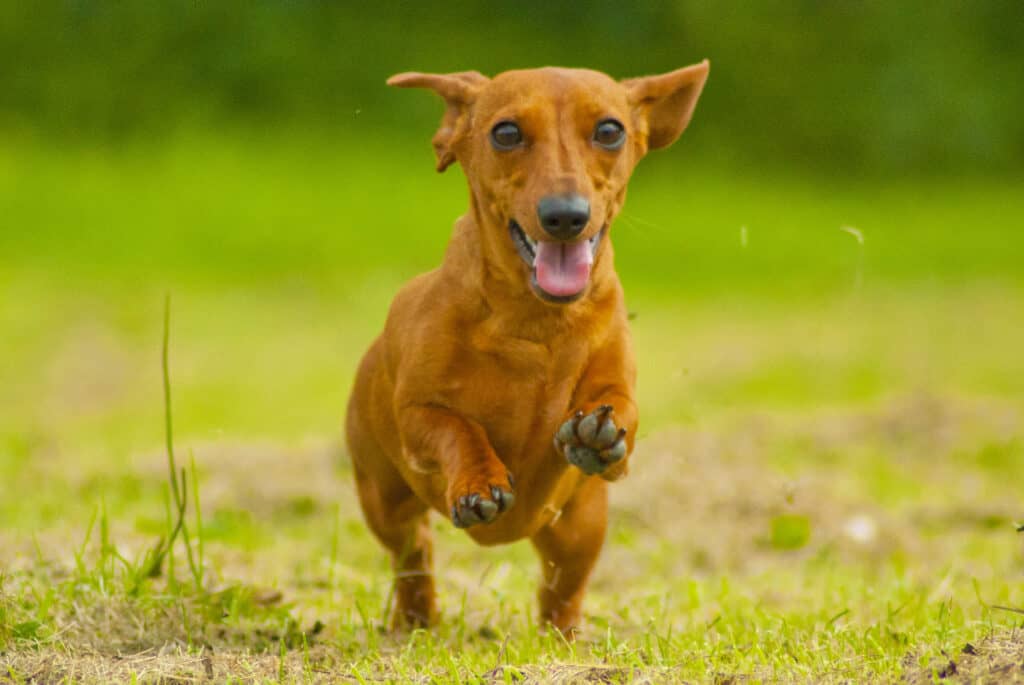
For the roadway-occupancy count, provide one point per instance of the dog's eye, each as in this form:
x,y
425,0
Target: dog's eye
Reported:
x,y
506,136
610,134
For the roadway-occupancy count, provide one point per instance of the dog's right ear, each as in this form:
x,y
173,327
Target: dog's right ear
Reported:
x,y
666,101
459,90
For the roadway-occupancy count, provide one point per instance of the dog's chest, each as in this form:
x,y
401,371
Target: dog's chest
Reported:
x,y
519,391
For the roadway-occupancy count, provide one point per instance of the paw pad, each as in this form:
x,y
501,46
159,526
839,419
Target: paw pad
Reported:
x,y
475,508
592,442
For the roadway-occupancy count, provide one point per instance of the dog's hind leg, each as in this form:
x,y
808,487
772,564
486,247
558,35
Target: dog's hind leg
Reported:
x,y
399,520
397,517
568,548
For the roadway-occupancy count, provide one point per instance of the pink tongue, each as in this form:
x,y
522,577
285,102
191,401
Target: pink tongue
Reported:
x,y
563,268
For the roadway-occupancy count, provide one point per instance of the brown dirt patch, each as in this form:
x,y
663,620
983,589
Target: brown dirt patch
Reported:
x,y
995,659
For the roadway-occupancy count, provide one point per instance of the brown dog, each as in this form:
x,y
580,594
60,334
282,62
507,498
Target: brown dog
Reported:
x,y
501,391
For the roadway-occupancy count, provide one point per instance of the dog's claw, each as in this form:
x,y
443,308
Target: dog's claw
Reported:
x,y
474,508
456,519
504,498
593,442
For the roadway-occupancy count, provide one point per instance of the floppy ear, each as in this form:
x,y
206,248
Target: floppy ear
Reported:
x,y
667,101
458,90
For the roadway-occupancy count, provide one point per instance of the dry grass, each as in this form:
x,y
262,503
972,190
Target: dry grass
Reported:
x,y
995,659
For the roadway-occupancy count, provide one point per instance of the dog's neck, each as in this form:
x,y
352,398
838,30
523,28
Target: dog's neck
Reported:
x,y
481,264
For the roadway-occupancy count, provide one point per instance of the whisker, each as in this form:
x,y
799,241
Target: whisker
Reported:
x,y
628,221
643,222
648,228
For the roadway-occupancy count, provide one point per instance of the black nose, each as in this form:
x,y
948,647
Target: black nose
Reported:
x,y
563,216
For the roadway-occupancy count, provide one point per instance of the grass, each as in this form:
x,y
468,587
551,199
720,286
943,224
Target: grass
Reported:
x,y
826,487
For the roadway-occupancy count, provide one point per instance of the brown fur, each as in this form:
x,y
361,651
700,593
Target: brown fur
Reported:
x,y
474,373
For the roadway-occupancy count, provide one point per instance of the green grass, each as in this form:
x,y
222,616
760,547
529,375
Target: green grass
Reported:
x,y
825,488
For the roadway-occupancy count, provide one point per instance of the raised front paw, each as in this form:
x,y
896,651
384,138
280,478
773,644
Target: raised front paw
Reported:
x,y
483,504
592,442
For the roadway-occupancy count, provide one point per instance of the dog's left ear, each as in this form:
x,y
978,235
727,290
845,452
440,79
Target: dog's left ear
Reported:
x,y
459,90
667,101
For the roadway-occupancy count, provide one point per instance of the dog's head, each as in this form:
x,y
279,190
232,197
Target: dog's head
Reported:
x,y
548,153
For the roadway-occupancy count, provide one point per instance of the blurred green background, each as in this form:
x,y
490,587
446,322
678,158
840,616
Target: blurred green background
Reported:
x,y
826,272
859,161
868,86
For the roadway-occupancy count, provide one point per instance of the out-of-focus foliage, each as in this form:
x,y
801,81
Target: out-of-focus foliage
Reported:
x,y
842,86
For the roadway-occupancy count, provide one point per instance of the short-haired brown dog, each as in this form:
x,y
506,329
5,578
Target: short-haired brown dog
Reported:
x,y
501,392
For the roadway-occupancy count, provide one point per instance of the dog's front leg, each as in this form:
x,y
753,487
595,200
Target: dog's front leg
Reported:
x,y
597,436
436,438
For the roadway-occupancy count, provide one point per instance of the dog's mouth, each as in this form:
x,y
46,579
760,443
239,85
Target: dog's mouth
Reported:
x,y
559,271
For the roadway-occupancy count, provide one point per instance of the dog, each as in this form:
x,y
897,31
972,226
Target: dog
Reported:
x,y
501,391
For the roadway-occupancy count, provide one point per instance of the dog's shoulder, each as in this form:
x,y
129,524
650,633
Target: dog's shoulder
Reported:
x,y
415,304
424,312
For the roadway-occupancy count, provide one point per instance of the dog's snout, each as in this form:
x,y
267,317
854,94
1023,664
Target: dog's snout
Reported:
x,y
563,216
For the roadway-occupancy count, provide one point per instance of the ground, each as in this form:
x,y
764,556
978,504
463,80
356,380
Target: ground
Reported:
x,y
826,486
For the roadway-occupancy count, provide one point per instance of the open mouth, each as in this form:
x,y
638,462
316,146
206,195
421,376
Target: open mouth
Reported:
x,y
560,271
